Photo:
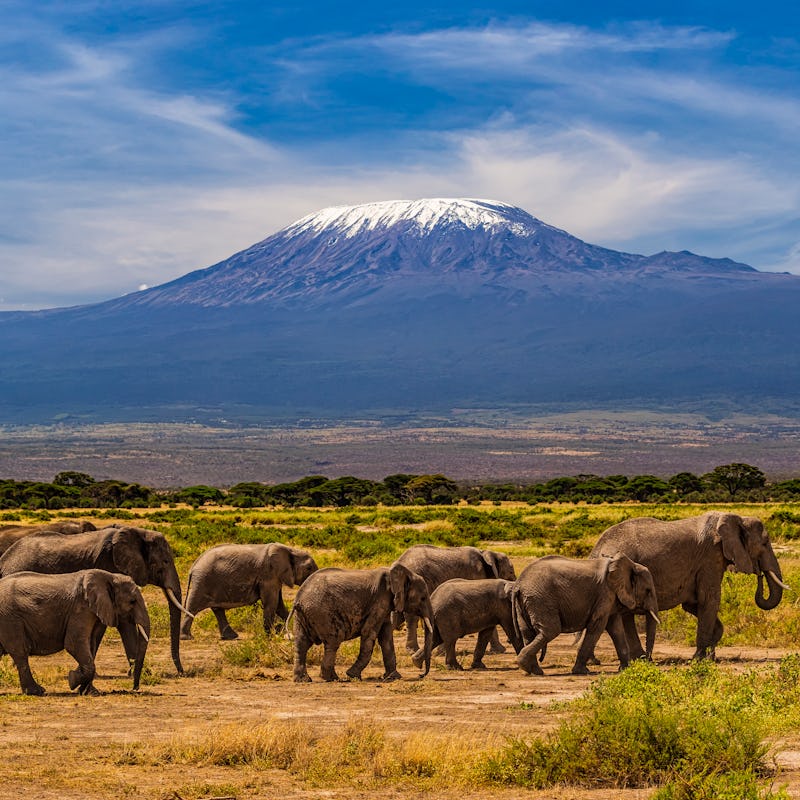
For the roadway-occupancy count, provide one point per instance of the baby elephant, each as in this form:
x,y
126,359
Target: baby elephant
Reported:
x,y
234,575
557,595
44,614
461,607
335,605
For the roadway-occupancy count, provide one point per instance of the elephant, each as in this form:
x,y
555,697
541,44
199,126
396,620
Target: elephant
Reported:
x,y
10,533
335,605
555,595
234,575
142,554
439,564
42,614
687,559
461,607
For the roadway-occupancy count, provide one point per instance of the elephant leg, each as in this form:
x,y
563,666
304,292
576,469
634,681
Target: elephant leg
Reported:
x,y
497,646
225,630
327,670
527,658
412,644
269,607
186,620
449,647
386,642
634,645
616,630
516,642
280,608
26,680
593,632
484,637
82,677
709,632
301,646
365,651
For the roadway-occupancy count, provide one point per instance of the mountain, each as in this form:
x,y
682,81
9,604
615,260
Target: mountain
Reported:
x,y
398,306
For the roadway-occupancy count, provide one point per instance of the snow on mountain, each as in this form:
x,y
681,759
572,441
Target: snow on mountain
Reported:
x,y
355,254
425,215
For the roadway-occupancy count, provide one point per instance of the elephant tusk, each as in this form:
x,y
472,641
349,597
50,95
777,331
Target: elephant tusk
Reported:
x,y
655,616
428,625
142,632
174,600
777,580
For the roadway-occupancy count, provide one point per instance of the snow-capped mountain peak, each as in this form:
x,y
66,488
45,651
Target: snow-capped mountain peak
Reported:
x,y
424,214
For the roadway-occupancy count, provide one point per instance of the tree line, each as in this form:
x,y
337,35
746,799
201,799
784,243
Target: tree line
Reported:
x,y
727,482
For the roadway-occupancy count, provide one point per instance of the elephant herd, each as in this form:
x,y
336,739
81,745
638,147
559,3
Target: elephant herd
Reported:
x,y
60,589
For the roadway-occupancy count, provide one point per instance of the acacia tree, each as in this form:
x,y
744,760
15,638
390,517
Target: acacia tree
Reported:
x,y
735,477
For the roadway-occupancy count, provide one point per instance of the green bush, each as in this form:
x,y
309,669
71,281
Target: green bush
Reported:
x,y
677,728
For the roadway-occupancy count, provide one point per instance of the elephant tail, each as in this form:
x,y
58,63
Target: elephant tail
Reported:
x,y
522,624
287,632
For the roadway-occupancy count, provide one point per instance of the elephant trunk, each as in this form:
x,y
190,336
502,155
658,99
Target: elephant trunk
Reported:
x,y
172,591
775,590
427,621
135,637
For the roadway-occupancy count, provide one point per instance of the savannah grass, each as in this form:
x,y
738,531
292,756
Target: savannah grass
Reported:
x,y
695,731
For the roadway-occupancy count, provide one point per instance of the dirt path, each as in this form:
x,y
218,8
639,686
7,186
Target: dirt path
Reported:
x,y
64,746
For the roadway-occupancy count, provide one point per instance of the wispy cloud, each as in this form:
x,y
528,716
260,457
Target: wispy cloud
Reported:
x,y
116,173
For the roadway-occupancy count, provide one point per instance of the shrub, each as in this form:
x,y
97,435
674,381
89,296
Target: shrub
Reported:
x,y
646,727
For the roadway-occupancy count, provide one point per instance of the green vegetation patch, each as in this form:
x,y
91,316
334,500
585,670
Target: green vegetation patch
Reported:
x,y
678,728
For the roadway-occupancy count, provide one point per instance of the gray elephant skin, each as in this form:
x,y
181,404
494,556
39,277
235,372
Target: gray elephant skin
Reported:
x,y
335,605
44,614
687,559
461,607
234,575
11,533
439,564
555,595
142,554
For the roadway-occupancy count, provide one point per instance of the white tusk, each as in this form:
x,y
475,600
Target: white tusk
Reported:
x,y
142,632
428,624
777,580
655,616
171,596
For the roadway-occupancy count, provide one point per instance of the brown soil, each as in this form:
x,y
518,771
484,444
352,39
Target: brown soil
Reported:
x,y
64,746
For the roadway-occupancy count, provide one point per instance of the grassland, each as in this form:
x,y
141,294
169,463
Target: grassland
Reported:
x,y
237,726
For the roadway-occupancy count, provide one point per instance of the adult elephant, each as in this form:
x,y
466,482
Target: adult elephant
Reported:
x,y
142,554
687,559
44,614
335,605
555,595
11,533
439,564
234,575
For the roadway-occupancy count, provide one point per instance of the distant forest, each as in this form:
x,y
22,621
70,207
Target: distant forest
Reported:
x,y
740,482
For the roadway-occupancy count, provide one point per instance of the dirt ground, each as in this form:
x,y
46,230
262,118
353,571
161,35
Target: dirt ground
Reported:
x,y
68,747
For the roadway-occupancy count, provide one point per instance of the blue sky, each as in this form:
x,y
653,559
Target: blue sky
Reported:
x,y
143,140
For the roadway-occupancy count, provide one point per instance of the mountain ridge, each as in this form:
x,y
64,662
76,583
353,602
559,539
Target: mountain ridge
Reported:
x,y
459,241
461,303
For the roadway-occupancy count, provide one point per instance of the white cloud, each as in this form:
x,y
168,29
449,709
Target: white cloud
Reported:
x,y
111,184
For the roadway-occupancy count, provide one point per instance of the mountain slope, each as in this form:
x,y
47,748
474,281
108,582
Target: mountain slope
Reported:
x,y
408,305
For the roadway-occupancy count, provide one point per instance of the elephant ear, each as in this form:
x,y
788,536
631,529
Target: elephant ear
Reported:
x,y
279,559
730,532
126,551
620,579
98,590
399,576
490,562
